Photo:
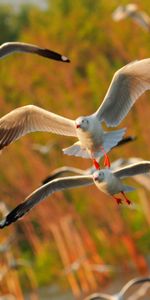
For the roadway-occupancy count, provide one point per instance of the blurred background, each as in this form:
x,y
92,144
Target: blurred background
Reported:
x,y
79,241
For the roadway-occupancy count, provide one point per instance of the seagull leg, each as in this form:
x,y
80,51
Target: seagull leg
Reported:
x,y
96,164
126,199
118,200
106,158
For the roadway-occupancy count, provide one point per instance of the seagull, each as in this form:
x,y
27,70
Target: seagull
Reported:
x,y
77,264
10,47
66,169
74,266
131,10
93,142
120,294
101,268
106,180
43,149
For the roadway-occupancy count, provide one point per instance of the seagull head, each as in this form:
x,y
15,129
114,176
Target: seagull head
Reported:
x,y
82,123
99,176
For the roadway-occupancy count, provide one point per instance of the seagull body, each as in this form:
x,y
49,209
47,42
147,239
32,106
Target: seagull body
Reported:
x,y
127,85
92,138
121,293
106,180
11,47
132,11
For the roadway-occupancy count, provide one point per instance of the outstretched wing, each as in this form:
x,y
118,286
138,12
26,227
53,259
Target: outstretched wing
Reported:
x,y
63,171
133,282
134,169
127,85
10,47
42,192
99,296
31,118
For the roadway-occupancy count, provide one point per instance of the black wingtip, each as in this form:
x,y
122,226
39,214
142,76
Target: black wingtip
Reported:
x,y
126,140
55,174
12,216
52,55
48,179
65,59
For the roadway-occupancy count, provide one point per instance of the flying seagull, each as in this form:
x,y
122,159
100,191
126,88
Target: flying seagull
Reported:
x,y
78,263
120,294
66,169
131,10
106,180
59,172
10,47
127,85
43,149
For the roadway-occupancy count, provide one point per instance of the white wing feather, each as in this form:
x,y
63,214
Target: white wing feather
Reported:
x,y
127,85
133,169
44,191
31,118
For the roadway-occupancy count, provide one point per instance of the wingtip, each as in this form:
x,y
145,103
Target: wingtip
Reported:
x,y
65,59
3,223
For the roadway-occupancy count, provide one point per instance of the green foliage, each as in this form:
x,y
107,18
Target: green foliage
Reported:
x,y
47,264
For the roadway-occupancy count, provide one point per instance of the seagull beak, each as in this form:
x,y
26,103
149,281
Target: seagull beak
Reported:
x,y
78,126
96,178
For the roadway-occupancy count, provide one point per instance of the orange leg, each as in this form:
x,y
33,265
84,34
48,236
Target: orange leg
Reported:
x,y
106,158
126,199
118,200
96,164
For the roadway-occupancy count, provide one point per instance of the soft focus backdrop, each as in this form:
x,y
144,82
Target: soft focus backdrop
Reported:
x,y
81,225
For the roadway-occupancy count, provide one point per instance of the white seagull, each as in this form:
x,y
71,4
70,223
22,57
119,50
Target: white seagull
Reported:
x,y
10,47
131,10
67,170
43,149
121,293
106,180
127,85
